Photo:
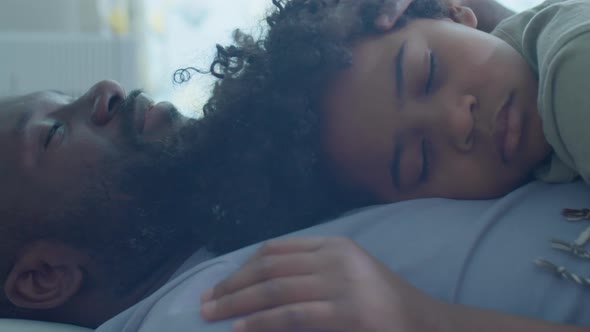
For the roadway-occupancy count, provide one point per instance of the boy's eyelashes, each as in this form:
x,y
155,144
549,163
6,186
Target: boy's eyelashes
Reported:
x,y
431,72
412,164
425,171
423,73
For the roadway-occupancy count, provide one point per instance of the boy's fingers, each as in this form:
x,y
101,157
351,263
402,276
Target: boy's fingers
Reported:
x,y
265,295
289,245
262,269
319,315
391,10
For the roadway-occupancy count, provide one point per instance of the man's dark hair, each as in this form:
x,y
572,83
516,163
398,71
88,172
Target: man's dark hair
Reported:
x,y
265,107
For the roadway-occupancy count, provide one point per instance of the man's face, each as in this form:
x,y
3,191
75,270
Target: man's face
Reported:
x,y
51,143
435,109
105,168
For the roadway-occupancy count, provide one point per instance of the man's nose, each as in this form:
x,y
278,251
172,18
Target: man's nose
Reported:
x,y
460,123
105,96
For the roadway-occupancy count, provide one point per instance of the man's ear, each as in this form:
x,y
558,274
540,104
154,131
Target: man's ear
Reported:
x,y
45,275
463,15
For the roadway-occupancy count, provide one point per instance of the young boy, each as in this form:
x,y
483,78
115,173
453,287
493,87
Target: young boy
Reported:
x,y
433,109
438,109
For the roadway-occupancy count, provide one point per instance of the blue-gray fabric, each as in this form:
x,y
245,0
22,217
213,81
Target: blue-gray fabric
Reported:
x,y
477,253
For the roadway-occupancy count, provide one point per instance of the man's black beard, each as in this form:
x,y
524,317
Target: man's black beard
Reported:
x,y
137,212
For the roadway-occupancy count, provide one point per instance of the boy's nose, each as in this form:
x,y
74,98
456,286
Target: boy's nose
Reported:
x,y
460,123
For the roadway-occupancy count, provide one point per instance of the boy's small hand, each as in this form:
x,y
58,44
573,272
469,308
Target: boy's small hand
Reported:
x,y
326,284
391,10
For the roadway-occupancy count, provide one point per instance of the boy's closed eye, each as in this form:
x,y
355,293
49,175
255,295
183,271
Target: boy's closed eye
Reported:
x,y
410,167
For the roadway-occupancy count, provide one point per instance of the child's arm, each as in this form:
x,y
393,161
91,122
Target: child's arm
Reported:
x,y
331,284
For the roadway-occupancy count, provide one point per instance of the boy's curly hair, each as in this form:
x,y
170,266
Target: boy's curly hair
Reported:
x,y
264,115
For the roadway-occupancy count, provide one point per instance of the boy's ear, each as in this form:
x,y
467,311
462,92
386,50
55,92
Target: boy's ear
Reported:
x,y
463,15
45,275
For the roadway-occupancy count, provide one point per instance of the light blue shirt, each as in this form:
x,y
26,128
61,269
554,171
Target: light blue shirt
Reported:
x,y
477,253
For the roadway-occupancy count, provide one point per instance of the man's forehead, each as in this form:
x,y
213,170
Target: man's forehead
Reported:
x,y
7,102
16,110
20,98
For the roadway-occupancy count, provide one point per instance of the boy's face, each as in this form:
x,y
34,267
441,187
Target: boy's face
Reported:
x,y
435,109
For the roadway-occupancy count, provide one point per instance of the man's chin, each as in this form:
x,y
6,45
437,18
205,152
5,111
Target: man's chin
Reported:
x,y
157,120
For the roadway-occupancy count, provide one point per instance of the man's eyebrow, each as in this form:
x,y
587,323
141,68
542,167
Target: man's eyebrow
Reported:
x,y
23,120
395,164
399,70
57,92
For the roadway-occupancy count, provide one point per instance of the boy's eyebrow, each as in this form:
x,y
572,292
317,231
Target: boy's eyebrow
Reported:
x,y
399,71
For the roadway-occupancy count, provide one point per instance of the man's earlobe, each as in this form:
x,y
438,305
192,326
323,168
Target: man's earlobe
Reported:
x,y
463,15
45,275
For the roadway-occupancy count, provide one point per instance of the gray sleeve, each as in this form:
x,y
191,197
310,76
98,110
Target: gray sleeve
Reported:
x,y
477,253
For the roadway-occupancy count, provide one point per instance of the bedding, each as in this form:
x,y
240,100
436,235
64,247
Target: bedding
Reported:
x,y
21,325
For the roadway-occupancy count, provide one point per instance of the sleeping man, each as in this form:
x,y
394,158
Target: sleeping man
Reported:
x,y
106,195
90,227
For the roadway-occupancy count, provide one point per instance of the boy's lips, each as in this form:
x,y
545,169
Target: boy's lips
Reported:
x,y
508,130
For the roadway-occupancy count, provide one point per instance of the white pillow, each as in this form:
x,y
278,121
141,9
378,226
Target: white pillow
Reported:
x,y
21,325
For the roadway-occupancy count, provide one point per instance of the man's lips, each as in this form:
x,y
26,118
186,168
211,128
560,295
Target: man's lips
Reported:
x,y
148,116
142,104
508,130
162,114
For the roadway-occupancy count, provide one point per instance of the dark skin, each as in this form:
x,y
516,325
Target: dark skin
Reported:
x,y
42,131
55,143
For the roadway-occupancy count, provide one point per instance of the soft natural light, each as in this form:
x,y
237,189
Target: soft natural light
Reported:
x,y
193,29
147,40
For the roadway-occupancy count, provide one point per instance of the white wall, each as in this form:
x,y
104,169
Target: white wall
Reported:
x,y
61,44
48,15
